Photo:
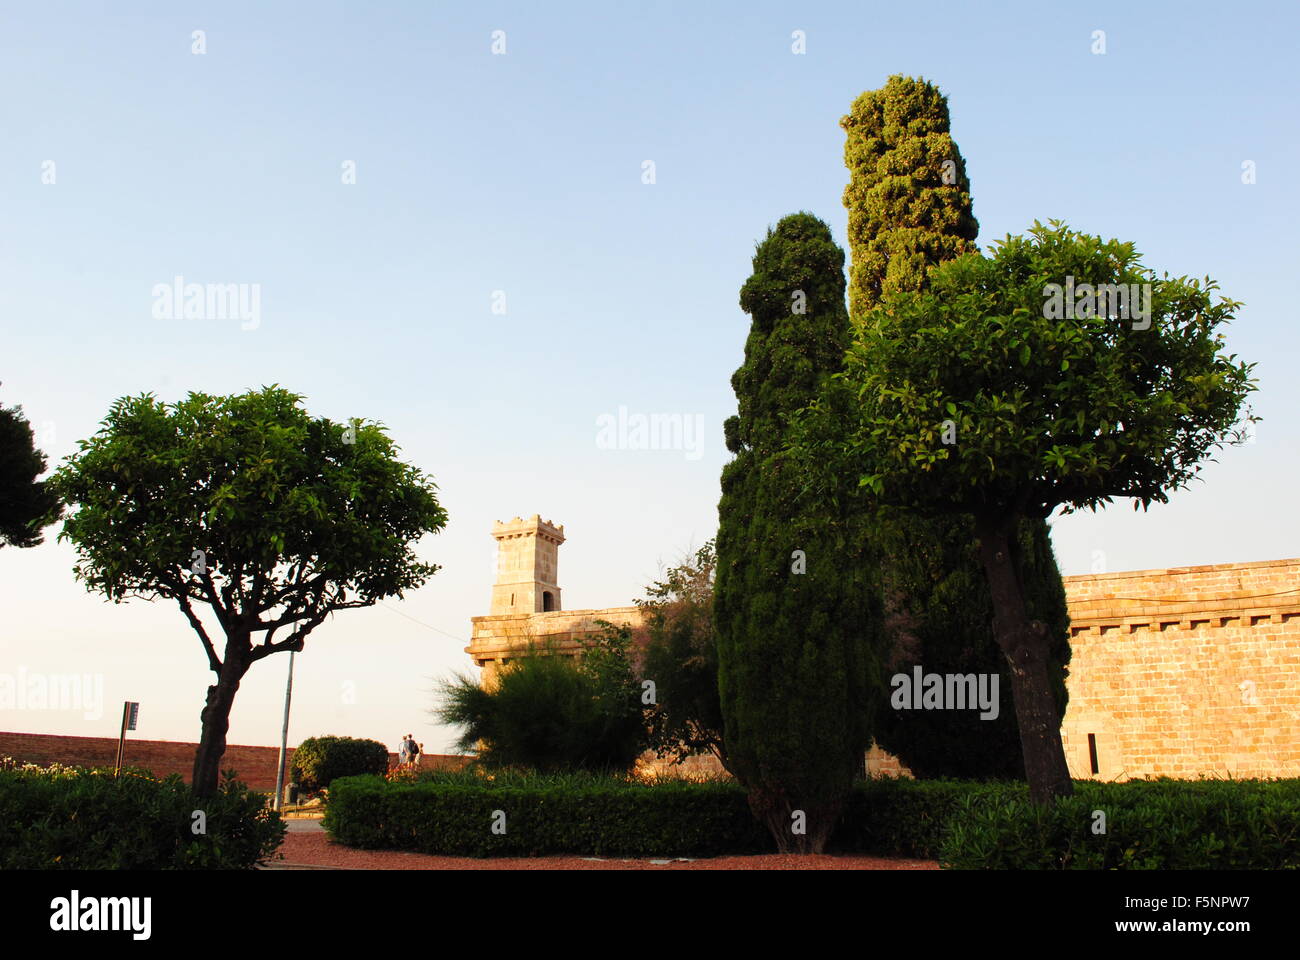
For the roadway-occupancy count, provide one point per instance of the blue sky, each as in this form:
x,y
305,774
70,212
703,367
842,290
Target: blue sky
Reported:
x,y
522,173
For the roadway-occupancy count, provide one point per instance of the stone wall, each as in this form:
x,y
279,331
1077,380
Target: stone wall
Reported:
x,y
1181,672
1185,672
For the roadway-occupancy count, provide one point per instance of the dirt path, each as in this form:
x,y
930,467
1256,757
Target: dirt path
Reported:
x,y
312,849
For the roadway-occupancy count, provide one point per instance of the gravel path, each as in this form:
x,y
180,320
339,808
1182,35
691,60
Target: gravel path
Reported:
x,y
312,849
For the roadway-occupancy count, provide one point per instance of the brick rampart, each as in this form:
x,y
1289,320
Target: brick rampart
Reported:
x,y
255,765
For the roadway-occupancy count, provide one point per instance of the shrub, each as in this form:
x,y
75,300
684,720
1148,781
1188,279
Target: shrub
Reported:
x,y
989,825
319,761
87,820
905,818
1149,825
453,814
552,713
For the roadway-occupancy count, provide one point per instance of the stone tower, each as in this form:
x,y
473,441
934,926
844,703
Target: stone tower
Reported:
x,y
527,565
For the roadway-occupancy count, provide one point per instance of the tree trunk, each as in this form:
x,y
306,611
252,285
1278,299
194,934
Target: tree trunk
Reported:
x,y
216,722
1024,643
817,823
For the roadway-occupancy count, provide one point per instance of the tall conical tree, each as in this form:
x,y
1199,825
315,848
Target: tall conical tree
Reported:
x,y
909,207
795,602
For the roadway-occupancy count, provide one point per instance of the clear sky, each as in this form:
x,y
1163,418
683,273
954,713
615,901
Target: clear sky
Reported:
x,y
480,174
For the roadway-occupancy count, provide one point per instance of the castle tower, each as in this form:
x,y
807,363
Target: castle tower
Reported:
x,y
527,565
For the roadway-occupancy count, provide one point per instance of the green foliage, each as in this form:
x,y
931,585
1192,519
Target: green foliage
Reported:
x,y
1048,411
909,207
939,618
318,761
1149,825
608,817
679,653
550,712
795,603
292,515
905,818
90,821
908,196
248,506
26,504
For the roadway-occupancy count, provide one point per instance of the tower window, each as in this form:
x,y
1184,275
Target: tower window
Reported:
x,y
548,600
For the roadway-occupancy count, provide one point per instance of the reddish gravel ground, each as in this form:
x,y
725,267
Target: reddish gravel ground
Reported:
x,y
307,850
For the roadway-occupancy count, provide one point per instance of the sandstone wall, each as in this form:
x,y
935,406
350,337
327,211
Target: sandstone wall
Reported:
x,y
1185,671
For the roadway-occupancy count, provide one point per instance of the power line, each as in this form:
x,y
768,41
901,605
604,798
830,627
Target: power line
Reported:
x,y
423,624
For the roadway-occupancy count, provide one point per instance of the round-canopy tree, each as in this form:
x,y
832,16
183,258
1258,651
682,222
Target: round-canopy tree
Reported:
x,y
248,507
1058,372
909,207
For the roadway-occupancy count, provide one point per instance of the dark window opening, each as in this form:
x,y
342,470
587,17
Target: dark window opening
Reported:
x,y
548,601
1092,752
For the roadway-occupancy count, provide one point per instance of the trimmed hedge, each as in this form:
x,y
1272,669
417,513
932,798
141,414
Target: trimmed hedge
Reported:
x,y
1149,824
319,761
613,818
87,820
906,818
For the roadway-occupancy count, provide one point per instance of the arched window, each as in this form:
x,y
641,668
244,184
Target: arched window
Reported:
x,y
548,600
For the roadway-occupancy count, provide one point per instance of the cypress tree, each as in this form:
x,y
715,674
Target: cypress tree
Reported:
x,y
909,208
795,597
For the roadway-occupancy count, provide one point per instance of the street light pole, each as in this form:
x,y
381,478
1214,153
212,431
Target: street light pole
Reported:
x,y
284,736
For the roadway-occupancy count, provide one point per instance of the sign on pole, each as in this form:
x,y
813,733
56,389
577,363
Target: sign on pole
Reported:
x,y
130,713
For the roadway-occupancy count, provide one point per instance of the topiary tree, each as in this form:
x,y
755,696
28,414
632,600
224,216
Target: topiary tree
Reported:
x,y
908,196
1059,371
795,602
909,207
247,508
319,761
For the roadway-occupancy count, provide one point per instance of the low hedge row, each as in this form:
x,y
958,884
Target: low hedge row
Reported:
x,y
1148,824
82,820
613,818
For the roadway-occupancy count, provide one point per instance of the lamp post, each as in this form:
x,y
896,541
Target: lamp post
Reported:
x,y
284,736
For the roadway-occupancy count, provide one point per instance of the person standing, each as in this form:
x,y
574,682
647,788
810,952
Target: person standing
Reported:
x,y
404,751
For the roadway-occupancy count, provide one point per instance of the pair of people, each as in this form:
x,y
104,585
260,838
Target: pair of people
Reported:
x,y
407,751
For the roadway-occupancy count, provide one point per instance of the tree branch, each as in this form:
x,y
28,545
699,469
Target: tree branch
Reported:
x,y
197,624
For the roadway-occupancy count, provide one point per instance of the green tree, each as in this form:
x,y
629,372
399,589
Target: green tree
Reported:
x,y
553,713
246,506
678,653
909,207
27,505
794,603
1009,389
908,196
